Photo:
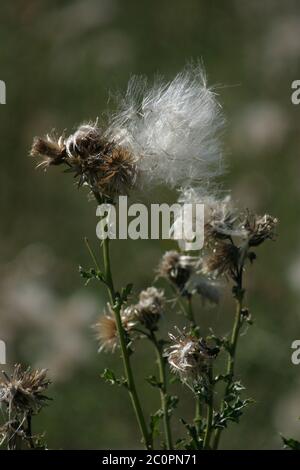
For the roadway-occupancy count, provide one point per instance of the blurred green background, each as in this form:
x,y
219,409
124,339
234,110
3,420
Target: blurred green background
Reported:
x,y
60,60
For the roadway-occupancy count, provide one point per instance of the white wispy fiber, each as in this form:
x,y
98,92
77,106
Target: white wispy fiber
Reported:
x,y
221,219
171,128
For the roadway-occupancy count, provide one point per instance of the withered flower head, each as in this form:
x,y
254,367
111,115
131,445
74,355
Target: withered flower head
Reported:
x,y
260,228
150,307
50,151
106,333
220,220
106,328
224,260
189,357
23,392
107,168
177,268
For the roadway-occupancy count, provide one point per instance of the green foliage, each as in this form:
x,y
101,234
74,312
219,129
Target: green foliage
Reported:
x,y
125,293
109,376
172,402
231,412
155,420
91,274
290,443
153,381
193,442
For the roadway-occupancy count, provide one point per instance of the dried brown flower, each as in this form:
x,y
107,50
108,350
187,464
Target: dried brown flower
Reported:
x,y
223,260
106,333
106,328
150,307
51,151
107,168
189,357
23,392
220,220
177,268
260,228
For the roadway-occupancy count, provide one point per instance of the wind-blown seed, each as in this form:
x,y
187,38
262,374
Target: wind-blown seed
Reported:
x,y
167,133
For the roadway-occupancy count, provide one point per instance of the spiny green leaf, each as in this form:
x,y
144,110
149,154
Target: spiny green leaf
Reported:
x,y
232,412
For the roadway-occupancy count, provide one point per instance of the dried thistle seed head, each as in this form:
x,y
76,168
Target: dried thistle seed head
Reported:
x,y
106,333
223,261
260,228
152,299
177,268
188,356
50,151
117,173
107,168
150,307
169,131
106,328
23,392
129,317
87,141
221,220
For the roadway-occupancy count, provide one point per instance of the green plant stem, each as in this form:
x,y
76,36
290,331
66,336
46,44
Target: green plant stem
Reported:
x,y
125,353
232,347
163,390
198,414
210,413
29,431
190,311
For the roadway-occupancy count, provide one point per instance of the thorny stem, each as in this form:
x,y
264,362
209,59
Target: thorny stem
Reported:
x,y
239,295
125,354
163,390
210,412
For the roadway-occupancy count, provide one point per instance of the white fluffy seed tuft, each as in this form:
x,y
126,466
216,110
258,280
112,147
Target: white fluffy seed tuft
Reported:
x,y
172,128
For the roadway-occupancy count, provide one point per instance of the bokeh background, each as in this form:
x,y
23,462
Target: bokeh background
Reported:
x,y
60,61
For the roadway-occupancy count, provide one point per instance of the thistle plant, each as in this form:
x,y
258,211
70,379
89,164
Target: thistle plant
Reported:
x,y
22,396
168,133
